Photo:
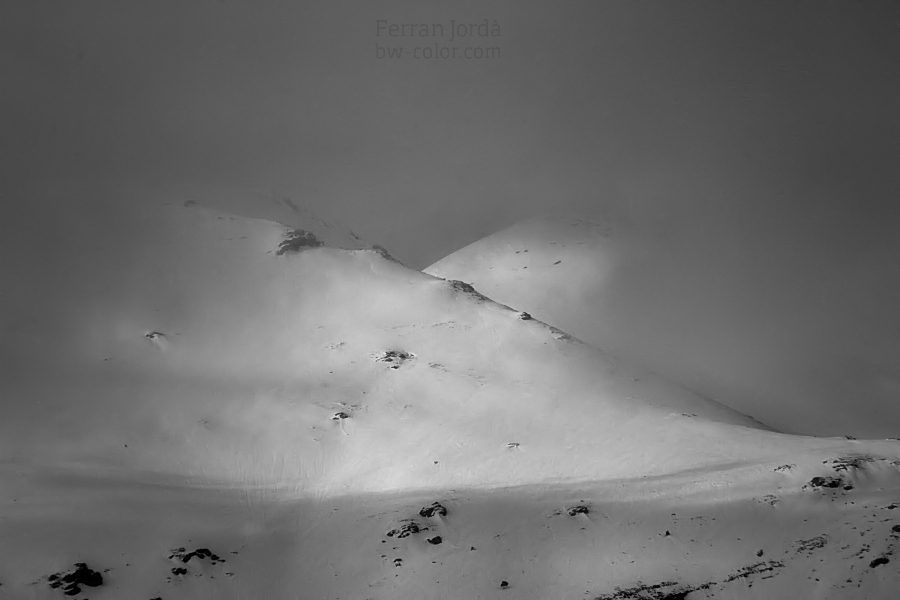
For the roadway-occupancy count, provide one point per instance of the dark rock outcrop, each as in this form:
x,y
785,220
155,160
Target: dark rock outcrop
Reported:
x,y
826,482
405,530
395,358
72,581
297,240
578,510
434,509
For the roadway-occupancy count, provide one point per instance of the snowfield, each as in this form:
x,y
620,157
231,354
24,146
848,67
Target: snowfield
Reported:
x,y
798,341
234,410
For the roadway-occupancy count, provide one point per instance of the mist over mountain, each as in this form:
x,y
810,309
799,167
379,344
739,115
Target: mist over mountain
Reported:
x,y
232,407
213,314
799,342
225,375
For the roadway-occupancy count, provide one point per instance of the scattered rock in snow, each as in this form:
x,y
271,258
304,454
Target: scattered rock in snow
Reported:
x,y
863,550
825,482
181,555
578,510
405,530
434,509
755,569
70,582
395,357
200,553
641,592
680,592
812,544
159,339
466,288
504,584
512,445
524,316
434,541
895,529
296,241
881,560
845,463
462,286
381,250
784,468
339,416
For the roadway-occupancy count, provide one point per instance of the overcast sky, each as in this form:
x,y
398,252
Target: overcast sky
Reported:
x,y
751,116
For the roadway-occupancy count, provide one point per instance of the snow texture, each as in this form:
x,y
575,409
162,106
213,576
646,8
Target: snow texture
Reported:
x,y
331,424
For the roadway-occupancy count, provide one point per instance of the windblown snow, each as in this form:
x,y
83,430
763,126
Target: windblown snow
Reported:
x,y
241,411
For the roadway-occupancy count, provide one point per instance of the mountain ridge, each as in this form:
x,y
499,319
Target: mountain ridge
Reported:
x,y
756,336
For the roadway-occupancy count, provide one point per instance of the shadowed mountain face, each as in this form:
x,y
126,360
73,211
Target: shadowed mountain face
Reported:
x,y
804,350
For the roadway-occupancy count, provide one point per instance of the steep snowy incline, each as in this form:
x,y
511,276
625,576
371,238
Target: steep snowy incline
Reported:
x,y
218,351
801,346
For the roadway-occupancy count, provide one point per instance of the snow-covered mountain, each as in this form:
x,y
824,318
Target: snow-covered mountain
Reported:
x,y
271,205
234,410
802,347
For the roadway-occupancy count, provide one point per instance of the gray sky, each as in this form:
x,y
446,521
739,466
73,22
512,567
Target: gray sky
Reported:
x,y
738,116
762,133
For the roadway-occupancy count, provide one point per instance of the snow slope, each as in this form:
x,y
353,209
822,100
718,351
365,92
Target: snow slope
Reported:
x,y
270,205
757,533
211,417
209,354
804,346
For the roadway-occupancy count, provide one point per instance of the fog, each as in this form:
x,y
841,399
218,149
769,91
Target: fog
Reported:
x,y
761,134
